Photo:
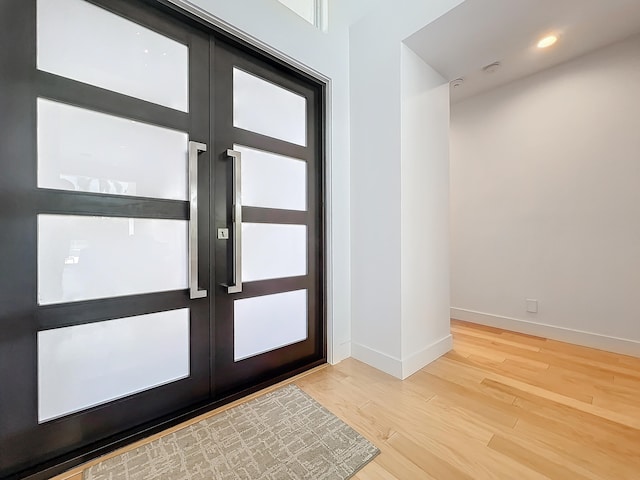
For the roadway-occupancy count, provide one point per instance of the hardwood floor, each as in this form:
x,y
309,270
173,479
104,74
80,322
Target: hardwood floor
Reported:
x,y
501,405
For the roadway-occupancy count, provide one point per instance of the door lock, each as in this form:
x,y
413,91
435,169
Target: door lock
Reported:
x,y
223,234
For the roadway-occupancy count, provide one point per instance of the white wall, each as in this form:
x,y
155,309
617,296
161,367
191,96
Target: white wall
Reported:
x,y
545,195
375,196
424,205
304,8
376,183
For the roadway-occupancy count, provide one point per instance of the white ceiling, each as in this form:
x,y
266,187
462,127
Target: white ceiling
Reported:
x,y
479,32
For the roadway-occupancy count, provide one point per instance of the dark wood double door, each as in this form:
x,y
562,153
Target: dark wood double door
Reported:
x,y
161,225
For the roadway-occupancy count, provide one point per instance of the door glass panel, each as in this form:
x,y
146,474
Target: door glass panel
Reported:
x,y
273,251
88,151
87,365
86,43
81,258
272,181
262,324
263,107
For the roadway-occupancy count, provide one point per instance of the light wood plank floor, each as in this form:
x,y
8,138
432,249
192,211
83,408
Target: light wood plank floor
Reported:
x,y
501,405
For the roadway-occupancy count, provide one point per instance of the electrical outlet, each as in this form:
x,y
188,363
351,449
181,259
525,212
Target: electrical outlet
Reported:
x,y
532,305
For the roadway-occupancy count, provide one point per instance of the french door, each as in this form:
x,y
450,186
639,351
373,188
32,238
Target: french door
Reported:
x,y
160,225
269,311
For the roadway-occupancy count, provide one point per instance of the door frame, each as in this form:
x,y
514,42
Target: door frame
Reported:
x,y
191,15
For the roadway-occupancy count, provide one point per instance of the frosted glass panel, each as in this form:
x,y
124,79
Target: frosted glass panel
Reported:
x,y
265,108
273,251
88,151
86,43
87,365
272,181
81,258
262,324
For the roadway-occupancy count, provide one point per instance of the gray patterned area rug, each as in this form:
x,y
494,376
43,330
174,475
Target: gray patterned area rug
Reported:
x,y
281,435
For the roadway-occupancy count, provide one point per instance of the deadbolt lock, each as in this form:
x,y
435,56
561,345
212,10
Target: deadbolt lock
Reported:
x,y
223,234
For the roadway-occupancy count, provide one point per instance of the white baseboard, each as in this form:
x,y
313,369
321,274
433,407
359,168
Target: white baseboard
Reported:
x,y
401,368
341,352
577,337
379,360
415,362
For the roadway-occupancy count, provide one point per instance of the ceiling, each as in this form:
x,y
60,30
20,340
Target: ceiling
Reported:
x,y
479,32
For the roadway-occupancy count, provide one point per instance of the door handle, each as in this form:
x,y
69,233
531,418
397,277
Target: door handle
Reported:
x,y
236,217
194,150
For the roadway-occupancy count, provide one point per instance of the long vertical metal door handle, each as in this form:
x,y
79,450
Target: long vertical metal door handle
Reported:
x,y
194,150
236,215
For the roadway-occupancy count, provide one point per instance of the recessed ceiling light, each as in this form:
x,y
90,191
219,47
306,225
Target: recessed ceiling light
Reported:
x,y
547,41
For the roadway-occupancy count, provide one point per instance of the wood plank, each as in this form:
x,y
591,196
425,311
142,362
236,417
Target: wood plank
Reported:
x,y
583,450
374,471
470,333
590,433
551,469
525,377
398,464
427,461
460,460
